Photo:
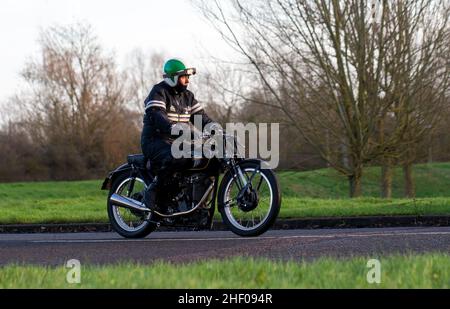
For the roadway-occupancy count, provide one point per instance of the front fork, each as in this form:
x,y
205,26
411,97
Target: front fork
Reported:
x,y
241,177
244,184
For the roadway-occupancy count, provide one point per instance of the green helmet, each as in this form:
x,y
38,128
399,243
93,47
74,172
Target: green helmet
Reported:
x,y
173,69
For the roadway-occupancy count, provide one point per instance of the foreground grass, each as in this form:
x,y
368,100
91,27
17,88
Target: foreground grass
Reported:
x,y
423,271
320,193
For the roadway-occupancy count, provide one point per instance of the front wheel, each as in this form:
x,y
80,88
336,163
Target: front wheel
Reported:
x,y
252,211
129,223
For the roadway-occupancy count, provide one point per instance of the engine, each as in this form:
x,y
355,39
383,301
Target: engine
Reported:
x,y
187,191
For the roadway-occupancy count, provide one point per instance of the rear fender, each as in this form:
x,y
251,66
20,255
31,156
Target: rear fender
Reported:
x,y
112,175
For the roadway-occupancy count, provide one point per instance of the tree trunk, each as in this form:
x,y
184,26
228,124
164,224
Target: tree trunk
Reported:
x,y
386,179
410,190
430,152
355,183
386,166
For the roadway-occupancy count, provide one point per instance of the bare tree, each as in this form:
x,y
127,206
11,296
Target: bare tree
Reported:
x,y
143,70
416,81
327,66
220,91
321,64
76,98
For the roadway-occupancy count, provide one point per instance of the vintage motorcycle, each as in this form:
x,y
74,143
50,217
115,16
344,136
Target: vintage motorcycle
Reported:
x,y
248,197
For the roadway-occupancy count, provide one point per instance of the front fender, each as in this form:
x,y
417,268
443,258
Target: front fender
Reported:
x,y
112,175
258,162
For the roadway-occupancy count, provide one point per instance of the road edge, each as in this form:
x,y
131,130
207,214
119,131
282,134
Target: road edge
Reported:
x,y
281,224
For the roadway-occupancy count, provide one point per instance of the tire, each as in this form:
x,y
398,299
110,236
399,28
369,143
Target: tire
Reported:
x,y
274,204
115,217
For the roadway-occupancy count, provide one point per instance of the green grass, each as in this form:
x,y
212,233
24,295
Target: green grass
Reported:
x,y
320,193
310,207
411,271
432,180
52,202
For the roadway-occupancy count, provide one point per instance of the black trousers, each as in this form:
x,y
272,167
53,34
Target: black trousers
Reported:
x,y
159,152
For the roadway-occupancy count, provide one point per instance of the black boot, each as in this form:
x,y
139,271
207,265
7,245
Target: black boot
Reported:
x,y
150,195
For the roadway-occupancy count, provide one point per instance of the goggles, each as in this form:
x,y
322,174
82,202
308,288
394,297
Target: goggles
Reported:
x,y
188,72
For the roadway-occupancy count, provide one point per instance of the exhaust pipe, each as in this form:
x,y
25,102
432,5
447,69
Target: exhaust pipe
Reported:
x,y
129,203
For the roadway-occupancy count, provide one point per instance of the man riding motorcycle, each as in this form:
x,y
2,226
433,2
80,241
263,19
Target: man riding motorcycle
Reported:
x,y
168,103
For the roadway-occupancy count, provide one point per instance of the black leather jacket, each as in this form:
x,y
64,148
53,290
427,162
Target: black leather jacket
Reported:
x,y
164,107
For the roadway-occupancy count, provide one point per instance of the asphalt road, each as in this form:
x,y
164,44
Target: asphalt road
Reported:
x,y
109,248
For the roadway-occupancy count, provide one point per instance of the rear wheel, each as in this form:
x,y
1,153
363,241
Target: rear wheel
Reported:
x,y
254,212
129,223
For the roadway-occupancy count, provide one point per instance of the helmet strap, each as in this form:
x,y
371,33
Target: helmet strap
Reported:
x,y
171,81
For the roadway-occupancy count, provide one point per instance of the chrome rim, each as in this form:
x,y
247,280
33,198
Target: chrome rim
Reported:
x,y
253,219
128,220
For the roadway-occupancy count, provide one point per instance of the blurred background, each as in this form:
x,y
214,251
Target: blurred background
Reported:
x,y
362,84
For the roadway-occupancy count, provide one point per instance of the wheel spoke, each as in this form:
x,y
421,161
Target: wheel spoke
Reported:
x,y
231,203
127,219
249,220
259,184
250,180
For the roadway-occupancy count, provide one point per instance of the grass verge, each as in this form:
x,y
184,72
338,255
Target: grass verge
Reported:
x,y
320,193
410,271
87,210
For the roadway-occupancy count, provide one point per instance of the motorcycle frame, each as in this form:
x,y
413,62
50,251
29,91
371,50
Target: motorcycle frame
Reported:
x,y
214,170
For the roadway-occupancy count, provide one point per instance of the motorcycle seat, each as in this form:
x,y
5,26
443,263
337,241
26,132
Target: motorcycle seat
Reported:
x,y
139,161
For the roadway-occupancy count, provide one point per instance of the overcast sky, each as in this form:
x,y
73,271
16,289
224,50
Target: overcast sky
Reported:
x,y
172,26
